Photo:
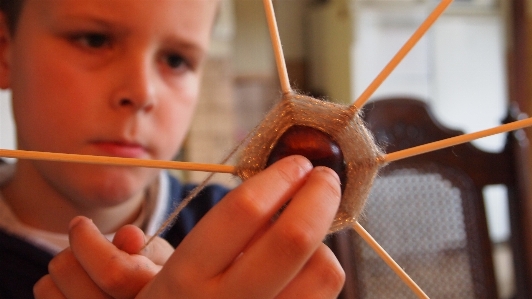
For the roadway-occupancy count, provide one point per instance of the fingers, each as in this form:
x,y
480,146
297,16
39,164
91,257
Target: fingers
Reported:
x,y
116,272
158,251
71,278
322,277
93,267
131,239
45,288
237,251
223,233
280,254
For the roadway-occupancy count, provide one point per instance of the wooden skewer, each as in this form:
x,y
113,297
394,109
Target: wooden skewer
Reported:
x,y
389,261
285,87
115,161
425,148
277,47
230,169
410,43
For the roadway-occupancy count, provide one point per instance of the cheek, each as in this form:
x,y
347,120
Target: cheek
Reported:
x,y
34,110
173,122
44,104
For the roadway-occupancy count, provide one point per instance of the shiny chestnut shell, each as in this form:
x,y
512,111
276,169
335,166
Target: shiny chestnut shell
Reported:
x,y
313,144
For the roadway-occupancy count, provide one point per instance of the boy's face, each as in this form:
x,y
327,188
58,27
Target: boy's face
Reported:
x,y
106,77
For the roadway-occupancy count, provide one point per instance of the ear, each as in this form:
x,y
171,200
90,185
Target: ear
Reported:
x,y
5,47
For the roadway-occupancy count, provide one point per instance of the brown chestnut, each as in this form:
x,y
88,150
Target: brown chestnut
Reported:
x,y
313,144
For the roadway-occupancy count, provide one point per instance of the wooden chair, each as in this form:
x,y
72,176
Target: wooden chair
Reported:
x,y
428,212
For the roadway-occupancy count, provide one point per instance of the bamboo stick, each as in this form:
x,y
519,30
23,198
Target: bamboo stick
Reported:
x,y
115,161
394,62
429,147
277,47
389,261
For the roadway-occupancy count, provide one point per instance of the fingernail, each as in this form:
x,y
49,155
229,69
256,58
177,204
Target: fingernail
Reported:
x,y
328,171
75,221
302,163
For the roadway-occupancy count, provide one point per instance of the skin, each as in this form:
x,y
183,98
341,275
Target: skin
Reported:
x,y
121,78
235,251
75,63
120,268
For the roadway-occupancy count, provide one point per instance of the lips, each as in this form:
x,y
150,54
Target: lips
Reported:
x,y
122,149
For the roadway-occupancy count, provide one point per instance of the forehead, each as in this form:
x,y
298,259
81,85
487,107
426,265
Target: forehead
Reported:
x,y
186,17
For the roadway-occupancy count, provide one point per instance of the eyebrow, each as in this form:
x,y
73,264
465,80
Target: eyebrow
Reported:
x,y
185,44
171,41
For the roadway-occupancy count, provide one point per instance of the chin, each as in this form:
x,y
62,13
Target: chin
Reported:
x,y
113,187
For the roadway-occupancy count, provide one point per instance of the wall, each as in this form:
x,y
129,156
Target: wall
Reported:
x,y
252,47
7,133
458,67
330,42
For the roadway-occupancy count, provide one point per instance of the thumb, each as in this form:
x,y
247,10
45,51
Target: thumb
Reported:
x,y
132,240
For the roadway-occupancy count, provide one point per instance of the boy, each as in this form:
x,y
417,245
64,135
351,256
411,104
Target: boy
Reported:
x,y
121,78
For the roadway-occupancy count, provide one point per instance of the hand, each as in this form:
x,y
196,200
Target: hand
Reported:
x,y
94,268
236,251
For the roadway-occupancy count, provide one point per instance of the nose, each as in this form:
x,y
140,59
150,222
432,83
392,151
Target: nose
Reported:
x,y
135,88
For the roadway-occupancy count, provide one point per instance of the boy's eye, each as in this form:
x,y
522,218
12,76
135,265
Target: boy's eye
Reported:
x,y
92,40
175,61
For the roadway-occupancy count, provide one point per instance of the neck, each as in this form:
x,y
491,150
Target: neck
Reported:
x,y
38,204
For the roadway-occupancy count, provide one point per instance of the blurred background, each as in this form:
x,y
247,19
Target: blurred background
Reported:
x,y
468,68
334,49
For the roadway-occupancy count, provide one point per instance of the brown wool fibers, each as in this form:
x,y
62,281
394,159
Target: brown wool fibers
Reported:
x,y
345,126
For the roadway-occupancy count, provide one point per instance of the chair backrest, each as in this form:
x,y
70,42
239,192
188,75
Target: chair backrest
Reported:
x,y
427,211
